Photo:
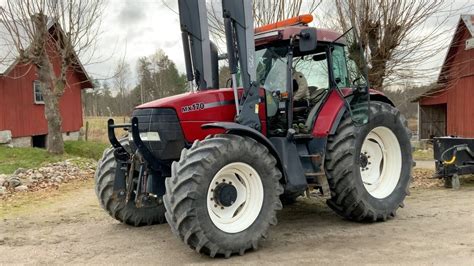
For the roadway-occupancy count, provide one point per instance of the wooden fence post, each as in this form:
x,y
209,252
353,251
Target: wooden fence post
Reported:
x,y
87,130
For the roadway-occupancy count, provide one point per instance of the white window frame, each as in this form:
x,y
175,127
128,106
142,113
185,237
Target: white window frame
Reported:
x,y
37,83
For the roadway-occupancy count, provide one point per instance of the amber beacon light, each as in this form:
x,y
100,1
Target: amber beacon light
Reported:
x,y
302,19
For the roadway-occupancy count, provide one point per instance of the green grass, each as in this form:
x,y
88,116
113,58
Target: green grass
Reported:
x,y
85,149
423,154
14,158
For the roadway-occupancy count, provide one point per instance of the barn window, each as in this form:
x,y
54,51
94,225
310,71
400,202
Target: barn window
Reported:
x,y
37,92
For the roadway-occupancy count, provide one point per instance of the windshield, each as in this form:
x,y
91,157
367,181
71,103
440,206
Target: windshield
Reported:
x,y
271,68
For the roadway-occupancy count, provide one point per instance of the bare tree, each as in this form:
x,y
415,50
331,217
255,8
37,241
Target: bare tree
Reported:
x,y
28,24
395,35
121,83
265,12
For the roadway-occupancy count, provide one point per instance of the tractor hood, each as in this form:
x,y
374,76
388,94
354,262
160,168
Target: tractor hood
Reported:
x,y
208,105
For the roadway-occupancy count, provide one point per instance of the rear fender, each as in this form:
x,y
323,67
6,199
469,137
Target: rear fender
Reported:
x,y
241,130
333,109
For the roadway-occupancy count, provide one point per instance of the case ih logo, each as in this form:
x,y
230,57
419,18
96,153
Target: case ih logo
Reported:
x,y
193,107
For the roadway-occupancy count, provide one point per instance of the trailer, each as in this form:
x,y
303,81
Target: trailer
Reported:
x,y
454,157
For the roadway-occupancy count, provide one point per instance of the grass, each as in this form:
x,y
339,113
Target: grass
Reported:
x,y
85,149
423,154
98,127
14,158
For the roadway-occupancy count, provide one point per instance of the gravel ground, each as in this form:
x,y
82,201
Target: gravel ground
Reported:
x,y
435,227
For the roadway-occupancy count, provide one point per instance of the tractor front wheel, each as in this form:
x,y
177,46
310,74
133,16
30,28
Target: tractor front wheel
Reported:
x,y
369,167
223,195
125,212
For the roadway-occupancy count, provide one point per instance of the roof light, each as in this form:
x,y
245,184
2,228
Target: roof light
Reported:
x,y
303,19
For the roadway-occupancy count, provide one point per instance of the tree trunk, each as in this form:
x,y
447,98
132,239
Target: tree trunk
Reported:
x,y
377,73
53,116
51,96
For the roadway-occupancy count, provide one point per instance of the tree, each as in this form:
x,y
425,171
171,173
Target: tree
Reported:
x,y
159,77
121,82
224,76
146,84
27,25
391,35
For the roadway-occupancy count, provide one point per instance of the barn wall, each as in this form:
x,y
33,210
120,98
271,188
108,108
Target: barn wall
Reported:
x,y
458,92
22,116
460,97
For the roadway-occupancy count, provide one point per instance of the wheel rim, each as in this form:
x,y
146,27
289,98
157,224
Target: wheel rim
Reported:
x,y
380,162
234,212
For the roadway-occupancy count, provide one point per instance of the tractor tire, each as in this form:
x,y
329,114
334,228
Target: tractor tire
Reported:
x,y
223,195
126,213
369,167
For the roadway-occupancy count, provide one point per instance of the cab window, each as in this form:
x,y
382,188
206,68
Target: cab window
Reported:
x,y
341,75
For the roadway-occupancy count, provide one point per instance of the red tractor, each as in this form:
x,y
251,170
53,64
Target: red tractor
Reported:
x,y
216,164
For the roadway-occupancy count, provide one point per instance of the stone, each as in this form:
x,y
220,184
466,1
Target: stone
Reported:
x,y
3,191
2,179
5,137
21,188
14,181
20,171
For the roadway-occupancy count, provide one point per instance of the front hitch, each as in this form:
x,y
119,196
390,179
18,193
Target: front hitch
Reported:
x,y
122,157
150,179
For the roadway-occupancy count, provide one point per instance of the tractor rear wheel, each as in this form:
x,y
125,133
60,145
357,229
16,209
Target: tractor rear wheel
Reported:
x,y
223,195
126,213
369,167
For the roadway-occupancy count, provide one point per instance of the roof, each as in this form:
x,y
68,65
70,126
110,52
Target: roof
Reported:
x,y
9,53
285,33
466,21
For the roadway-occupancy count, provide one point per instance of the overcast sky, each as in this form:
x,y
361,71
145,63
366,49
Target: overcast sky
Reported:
x,y
132,29
136,28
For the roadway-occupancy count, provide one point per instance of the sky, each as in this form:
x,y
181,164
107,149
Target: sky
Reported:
x,y
132,29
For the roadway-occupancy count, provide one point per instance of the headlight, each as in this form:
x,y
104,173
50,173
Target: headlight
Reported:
x,y
147,136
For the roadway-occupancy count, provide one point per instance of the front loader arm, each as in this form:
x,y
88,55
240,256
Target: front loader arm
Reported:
x,y
238,20
197,45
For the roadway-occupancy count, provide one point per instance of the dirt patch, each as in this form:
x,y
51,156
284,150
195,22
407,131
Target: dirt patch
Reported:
x,y
68,226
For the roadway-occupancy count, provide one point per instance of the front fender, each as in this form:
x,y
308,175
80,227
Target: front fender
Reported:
x,y
241,130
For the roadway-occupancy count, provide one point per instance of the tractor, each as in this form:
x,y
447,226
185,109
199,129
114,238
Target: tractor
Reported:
x,y
217,164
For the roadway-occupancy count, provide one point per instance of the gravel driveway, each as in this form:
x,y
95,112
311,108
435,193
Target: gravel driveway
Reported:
x,y
436,226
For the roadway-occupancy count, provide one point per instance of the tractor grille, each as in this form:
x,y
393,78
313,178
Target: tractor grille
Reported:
x,y
166,123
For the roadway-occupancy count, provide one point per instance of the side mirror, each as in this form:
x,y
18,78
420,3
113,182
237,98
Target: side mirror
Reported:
x,y
308,40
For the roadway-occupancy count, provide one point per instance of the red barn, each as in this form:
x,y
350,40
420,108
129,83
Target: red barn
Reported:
x,y
448,109
21,102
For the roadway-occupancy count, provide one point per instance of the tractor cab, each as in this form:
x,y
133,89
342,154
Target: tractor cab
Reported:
x,y
299,67
308,74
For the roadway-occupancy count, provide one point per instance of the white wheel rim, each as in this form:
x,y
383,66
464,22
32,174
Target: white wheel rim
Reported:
x,y
249,201
382,166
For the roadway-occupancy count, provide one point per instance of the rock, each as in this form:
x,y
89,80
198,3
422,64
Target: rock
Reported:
x,y
2,179
20,171
14,181
3,191
5,137
21,188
